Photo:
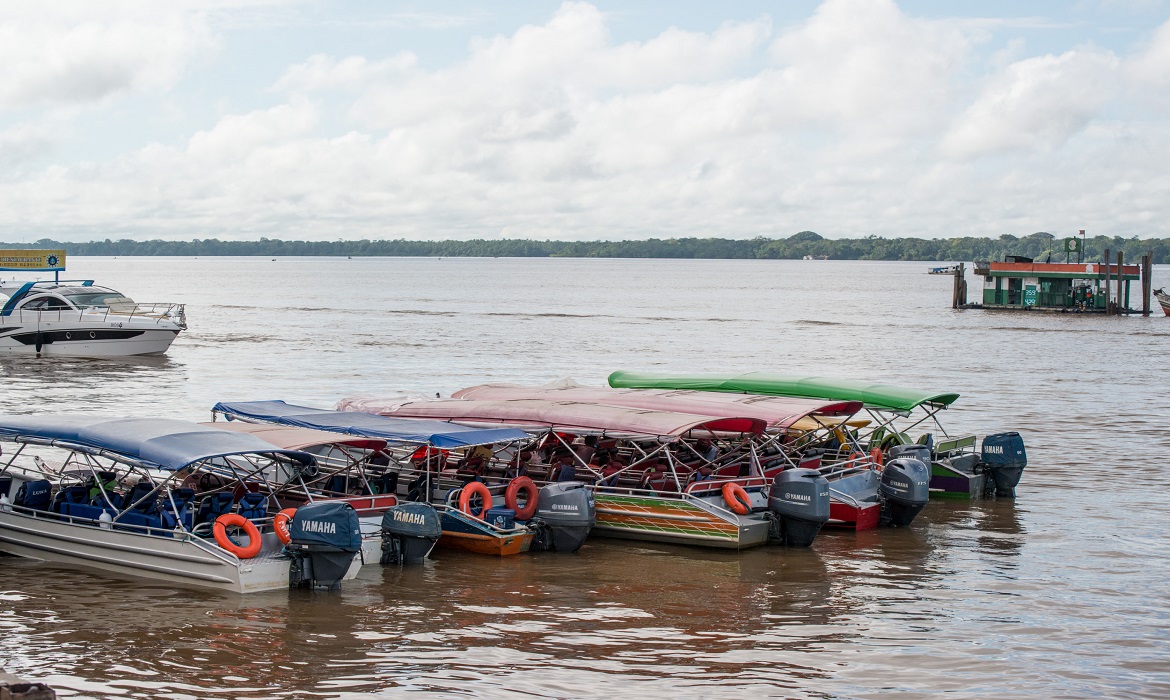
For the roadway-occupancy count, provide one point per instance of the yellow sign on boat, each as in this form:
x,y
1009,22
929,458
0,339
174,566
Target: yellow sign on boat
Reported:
x,y
33,260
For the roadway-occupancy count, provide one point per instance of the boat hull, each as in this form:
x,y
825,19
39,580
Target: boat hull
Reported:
x,y
949,481
66,334
676,521
182,561
847,516
469,534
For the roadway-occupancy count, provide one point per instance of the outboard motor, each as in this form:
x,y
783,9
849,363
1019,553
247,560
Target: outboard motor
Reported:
x,y
409,533
324,538
564,516
799,506
1003,457
904,490
919,452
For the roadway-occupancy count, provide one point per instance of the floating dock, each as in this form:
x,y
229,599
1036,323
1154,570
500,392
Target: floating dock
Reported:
x,y
1022,284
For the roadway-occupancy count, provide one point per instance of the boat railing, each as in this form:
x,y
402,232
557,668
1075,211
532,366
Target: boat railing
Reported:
x,y
158,313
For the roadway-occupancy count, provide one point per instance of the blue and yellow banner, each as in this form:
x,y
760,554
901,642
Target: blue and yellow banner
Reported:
x,y
33,260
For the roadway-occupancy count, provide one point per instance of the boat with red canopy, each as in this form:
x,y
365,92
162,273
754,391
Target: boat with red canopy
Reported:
x,y
862,497
648,491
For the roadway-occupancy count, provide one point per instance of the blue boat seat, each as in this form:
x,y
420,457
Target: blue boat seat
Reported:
x,y
6,486
214,505
34,494
81,510
253,506
143,520
181,513
108,481
335,484
76,495
141,489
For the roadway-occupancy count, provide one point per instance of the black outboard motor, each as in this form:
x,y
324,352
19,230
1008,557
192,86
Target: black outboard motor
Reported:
x,y
904,490
324,538
409,533
1003,457
919,452
564,516
799,506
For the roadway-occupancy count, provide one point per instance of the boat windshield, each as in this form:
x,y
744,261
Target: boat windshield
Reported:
x,y
93,296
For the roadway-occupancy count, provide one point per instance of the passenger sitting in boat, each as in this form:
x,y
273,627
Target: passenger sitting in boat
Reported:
x,y
706,449
585,451
519,466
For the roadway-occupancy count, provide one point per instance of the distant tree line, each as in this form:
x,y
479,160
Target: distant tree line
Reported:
x,y
1039,246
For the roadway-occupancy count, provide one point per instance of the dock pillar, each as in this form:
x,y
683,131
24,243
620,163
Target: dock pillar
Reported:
x,y
1106,259
1120,307
959,291
1147,282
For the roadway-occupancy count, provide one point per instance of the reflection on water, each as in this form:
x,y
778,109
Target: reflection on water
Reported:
x,y
1062,592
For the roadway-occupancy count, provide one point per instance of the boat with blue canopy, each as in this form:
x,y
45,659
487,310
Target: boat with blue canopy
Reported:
x,y
428,460
960,466
159,498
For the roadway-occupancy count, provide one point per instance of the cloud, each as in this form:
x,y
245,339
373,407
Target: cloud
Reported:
x,y
1037,103
67,53
860,119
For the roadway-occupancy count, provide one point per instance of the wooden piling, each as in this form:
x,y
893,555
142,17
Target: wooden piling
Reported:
x,y
1119,307
959,288
1146,282
1106,259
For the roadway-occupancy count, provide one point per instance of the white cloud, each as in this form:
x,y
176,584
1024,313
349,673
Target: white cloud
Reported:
x,y
1037,103
860,119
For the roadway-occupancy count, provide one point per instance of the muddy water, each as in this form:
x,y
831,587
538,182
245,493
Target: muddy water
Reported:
x,y
1060,593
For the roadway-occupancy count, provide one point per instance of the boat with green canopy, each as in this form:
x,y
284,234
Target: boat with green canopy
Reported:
x,y
958,468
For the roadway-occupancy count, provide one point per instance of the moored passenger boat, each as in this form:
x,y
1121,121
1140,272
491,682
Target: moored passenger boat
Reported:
x,y
649,491
78,318
958,467
124,496
422,456
801,432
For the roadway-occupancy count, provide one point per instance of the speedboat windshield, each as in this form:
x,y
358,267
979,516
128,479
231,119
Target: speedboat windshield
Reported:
x,y
94,296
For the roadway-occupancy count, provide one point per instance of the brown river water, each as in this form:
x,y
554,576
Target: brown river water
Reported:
x,y
1063,592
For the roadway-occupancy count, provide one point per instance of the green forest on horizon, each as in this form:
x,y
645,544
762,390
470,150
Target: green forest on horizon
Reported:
x,y
1039,246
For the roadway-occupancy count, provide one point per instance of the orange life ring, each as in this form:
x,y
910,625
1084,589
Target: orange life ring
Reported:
x,y
877,456
470,490
280,524
221,537
511,500
856,456
737,498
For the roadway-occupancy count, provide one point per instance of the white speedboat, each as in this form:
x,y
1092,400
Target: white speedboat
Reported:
x,y
80,319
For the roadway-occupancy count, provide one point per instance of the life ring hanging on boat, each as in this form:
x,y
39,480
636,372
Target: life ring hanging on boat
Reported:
x,y
280,524
471,489
235,519
877,456
522,483
737,498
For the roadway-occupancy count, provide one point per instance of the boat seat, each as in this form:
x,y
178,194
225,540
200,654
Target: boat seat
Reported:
x,y
181,513
335,484
34,494
136,520
142,489
69,494
5,486
212,506
731,471
253,506
661,484
81,510
109,482
386,483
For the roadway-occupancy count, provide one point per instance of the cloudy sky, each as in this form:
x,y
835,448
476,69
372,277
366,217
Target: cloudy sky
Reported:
x,y
323,120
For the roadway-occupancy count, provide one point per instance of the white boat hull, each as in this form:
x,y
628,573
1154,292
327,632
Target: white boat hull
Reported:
x,y
73,334
183,561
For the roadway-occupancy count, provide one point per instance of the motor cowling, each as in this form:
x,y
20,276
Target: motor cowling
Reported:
x,y
1003,457
799,504
565,514
409,533
921,453
324,537
904,490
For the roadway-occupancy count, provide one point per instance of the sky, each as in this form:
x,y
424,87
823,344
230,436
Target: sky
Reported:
x,y
607,120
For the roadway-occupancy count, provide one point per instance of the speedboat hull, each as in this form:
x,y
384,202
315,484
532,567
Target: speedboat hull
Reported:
x,y
183,560
470,534
688,521
73,334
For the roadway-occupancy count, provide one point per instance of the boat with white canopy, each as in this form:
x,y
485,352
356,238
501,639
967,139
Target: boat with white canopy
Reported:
x,y
158,498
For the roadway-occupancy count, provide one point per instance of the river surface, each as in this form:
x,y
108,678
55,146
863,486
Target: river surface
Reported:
x,y
1063,592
